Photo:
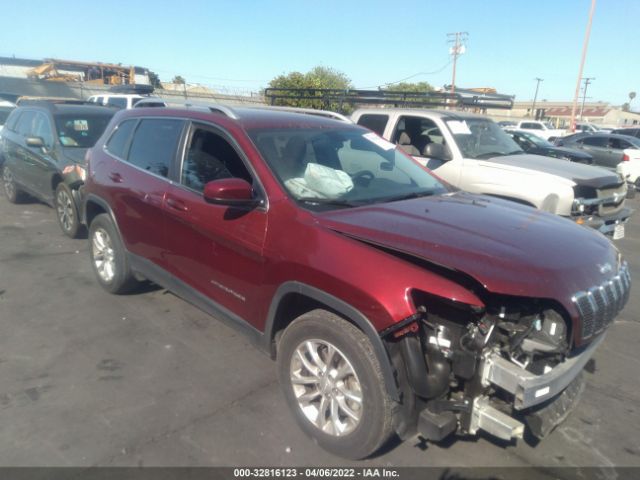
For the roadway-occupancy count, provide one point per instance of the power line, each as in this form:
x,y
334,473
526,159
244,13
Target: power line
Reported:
x,y
411,76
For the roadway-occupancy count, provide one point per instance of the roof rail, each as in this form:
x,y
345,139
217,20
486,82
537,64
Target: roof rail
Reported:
x,y
51,101
210,107
307,111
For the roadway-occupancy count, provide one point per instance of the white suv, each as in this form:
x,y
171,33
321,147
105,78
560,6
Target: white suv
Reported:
x,y
118,100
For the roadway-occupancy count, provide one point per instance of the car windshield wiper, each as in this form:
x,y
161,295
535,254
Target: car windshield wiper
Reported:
x,y
491,154
334,202
406,196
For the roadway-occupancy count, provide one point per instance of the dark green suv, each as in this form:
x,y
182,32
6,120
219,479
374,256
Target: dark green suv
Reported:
x,y
44,145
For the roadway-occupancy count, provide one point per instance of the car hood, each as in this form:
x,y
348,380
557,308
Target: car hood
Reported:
x,y
580,174
508,248
75,154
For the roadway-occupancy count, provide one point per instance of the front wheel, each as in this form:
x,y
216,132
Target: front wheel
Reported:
x,y
109,257
333,383
67,211
13,194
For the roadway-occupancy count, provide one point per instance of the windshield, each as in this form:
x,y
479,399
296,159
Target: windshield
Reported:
x,y
341,167
536,140
81,130
481,139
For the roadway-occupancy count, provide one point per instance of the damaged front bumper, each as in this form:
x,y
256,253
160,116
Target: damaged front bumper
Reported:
x,y
542,401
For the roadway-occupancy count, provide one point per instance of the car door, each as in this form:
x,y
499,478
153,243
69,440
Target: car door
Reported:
x,y
140,181
597,146
215,249
42,164
18,155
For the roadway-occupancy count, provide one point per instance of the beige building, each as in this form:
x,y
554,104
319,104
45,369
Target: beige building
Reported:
x,y
559,113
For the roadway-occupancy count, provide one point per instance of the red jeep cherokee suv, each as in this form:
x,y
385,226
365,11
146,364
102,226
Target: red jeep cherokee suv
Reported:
x,y
391,302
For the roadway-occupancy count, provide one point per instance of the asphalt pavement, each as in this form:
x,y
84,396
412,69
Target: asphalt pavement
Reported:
x,y
88,378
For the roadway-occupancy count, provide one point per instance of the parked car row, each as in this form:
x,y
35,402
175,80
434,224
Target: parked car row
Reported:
x,y
392,302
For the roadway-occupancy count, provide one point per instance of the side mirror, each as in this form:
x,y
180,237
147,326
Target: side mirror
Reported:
x,y
437,151
36,142
233,192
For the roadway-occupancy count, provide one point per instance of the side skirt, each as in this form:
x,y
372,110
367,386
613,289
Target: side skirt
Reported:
x,y
165,279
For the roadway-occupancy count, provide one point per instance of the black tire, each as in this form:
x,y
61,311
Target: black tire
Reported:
x,y
374,426
103,234
66,210
11,191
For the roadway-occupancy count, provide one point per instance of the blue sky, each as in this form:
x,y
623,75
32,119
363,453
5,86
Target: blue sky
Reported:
x,y
244,44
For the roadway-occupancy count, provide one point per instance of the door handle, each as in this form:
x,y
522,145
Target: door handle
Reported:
x,y
115,177
176,205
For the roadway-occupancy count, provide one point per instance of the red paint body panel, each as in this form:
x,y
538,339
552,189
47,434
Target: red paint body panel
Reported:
x,y
240,258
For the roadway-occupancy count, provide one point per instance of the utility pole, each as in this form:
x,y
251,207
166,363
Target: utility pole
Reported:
x,y
584,56
587,81
458,39
535,96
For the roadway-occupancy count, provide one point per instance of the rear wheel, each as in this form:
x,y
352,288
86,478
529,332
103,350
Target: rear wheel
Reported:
x,y
333,383
12,192
66,211
108,256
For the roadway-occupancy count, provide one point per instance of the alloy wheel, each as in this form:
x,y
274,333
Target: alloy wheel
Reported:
x,y
7,180
103,255
64,207
326,387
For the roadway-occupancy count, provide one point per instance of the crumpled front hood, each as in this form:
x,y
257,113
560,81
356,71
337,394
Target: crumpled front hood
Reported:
x,y
508,248
580,174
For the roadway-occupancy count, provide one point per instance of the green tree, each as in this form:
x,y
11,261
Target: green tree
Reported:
x,y
154,79
423,87
179,79
315,79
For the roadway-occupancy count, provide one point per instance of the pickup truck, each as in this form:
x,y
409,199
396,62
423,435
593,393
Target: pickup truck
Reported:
x,y
542,129
474,154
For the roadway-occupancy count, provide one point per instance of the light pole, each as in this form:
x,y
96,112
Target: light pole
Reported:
x,y
584,56
535,96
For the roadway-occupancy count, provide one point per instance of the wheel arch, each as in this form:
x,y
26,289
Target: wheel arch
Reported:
x,y
94,206
292,299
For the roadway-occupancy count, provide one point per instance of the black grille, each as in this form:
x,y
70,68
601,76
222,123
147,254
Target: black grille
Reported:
x,y
599,305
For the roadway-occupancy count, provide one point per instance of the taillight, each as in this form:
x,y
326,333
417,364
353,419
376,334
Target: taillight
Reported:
x,y
625,158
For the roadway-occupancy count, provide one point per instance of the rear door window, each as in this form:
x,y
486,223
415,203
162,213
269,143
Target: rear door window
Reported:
x,y
119,141
117,102
12,120
25,124
619,144
155,144
374,122
531,126
595,141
